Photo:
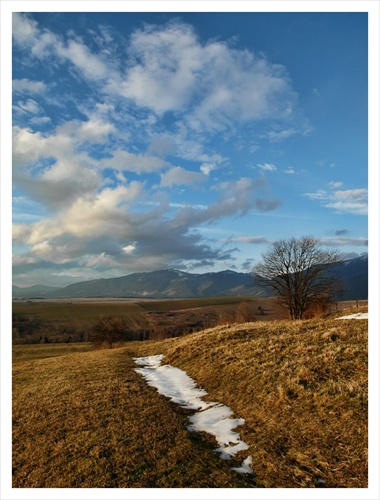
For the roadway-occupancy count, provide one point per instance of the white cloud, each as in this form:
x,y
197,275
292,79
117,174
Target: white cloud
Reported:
x,y
340,241
129,248
179,175
49,168
138,163
207,168
44,43
200,86
165,75
210,84
275,136
354,201
24,85
172,70
90,65
24,29
101,260
28,106
335,184
251,240
105,213
94,130
289,170
269,167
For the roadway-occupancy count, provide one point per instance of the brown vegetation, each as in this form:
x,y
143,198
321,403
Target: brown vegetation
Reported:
x,y
84,418
301,387
88,420
155,319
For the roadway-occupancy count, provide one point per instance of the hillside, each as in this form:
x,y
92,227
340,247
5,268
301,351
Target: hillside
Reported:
x,y
300,386
32,291
171,283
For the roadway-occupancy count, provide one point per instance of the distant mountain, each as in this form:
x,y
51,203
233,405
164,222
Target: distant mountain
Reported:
x,y
171,283
353,274
37,291
168,283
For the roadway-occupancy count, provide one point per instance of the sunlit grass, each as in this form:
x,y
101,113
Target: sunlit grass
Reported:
x,y
84,418
89,420
301,387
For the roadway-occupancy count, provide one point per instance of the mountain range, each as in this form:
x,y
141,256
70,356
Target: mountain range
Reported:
x,y
171,283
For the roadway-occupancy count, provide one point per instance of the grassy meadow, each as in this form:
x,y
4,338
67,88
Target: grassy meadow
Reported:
x,y
85,418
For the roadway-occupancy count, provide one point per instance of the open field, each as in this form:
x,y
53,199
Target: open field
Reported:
x,y
63,321
84,418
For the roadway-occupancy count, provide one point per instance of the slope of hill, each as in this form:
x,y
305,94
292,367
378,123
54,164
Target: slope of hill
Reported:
x,y
354,277
87,419
171,283
283,379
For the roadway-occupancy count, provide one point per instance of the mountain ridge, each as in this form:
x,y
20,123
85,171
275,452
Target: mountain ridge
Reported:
x,y
172,283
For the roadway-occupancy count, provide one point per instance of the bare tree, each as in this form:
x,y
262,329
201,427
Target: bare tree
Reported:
x,y
297,272
108,331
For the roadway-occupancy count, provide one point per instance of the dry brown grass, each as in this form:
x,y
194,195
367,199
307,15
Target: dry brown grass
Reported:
x,y
301,387
86,419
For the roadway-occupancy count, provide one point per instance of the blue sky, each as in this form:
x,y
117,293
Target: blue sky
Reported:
x,y
144,141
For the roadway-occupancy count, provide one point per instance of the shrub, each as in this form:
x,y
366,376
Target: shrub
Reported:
x,y
108,331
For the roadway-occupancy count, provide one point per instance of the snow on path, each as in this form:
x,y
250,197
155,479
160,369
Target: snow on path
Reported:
x,y
211,417
355,316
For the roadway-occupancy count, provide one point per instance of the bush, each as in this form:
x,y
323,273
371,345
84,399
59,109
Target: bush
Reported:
x,y
108,331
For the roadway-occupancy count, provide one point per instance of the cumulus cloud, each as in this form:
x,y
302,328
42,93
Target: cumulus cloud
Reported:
x,y
150,119
106,229
172,70
49,168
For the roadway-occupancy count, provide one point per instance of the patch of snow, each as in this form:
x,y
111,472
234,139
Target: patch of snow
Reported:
x,y
211,417
172,382
355,316
216,421
245,467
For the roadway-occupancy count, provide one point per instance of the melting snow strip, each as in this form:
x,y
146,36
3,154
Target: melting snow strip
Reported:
x,y
355,316
211,417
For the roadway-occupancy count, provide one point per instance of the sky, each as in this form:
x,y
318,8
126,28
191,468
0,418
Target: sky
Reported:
x,y
189,140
